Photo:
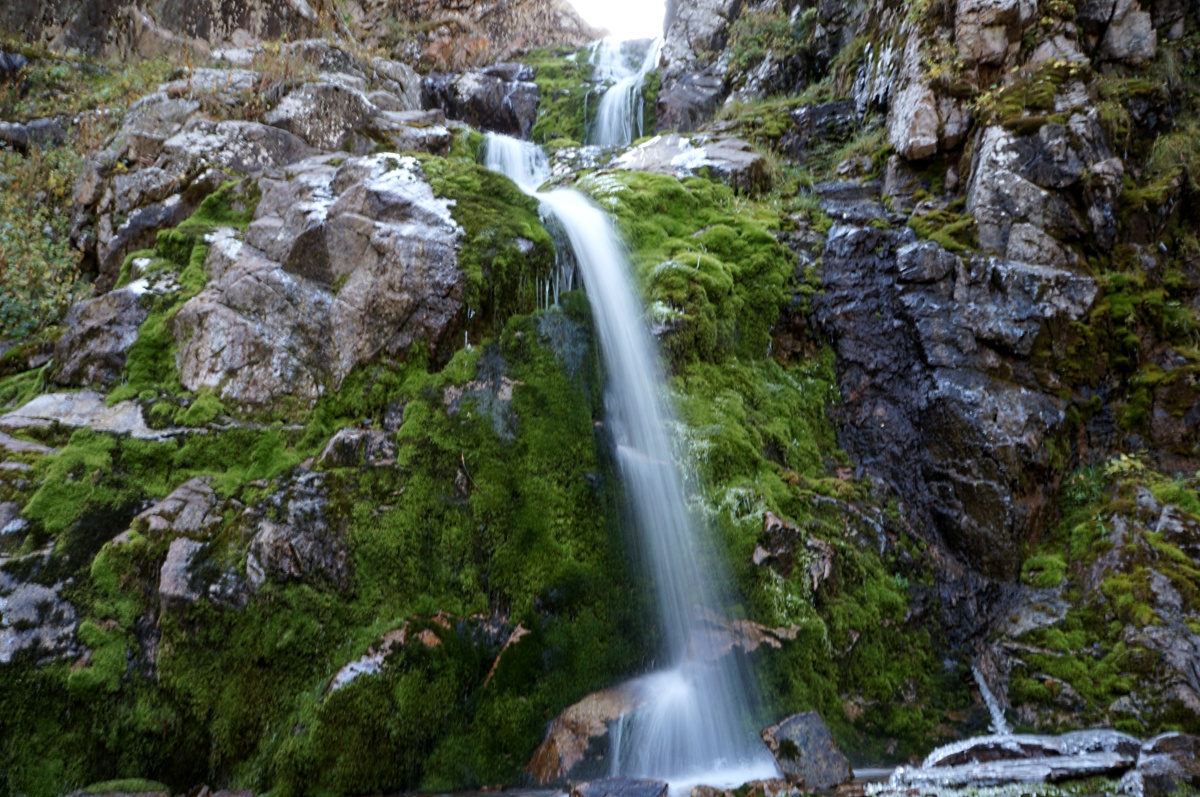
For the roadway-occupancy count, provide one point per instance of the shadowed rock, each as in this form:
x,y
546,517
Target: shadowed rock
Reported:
x,y
806,752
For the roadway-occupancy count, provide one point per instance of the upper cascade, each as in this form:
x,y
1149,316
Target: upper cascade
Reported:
x,y
627,64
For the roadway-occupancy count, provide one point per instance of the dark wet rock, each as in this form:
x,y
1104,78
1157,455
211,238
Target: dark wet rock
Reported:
x,y
485,101
352,448
296,539
690,99
916,327
1169,764
11,64
99,333
342,261
806,752
835,122
851,201
38,133
620,787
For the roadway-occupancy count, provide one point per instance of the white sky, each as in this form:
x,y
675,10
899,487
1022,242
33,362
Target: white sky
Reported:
x,y
625,19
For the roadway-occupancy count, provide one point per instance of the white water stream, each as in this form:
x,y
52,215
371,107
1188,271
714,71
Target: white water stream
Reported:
x,y
621,108
696,725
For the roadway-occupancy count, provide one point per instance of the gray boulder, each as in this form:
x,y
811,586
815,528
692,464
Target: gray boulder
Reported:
x,y
99,333
351,448
731,160
192,509
343,261
175,578
806,752
325,115
34,617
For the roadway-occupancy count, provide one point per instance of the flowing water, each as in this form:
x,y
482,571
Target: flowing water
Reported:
x,y
622,106
696,724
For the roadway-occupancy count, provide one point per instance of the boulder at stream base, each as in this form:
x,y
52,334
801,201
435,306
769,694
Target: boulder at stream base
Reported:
x,y
620,787
806,752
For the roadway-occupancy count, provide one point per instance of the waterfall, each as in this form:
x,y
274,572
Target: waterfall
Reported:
x,y
696,724
621,107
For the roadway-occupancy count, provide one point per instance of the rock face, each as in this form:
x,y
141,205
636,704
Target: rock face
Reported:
x,y
83,409
342,261
693,80
921,410
496,99
806,752
33,616
99,333
176,145
296,540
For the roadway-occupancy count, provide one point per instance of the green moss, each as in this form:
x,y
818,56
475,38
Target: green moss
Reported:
x,y
506,255
126,786
565,91
203,410
106,664
1044,571
955,232
706,258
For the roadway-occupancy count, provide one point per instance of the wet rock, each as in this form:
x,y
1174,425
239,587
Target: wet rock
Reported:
x,y
779,546
1169,764
352,448
730,160
948,323
17,446
175,587
296,540
620,787
484,100
34,617
690,99
324,115
99,333
344,260
83,409
806,752
571,734
827,121
1014,747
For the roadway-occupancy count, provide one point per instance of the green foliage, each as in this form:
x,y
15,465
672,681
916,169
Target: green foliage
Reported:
x,y
126,786
787,38
38,267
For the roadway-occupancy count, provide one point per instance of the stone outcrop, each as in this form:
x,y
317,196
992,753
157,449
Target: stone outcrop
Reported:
x,y
621,787
806,753
296,540
565,750
501,99
344,260
34,618
83,409
99,334
731,160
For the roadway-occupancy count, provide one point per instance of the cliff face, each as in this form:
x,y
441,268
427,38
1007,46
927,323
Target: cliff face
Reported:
x,y
445,33
312,480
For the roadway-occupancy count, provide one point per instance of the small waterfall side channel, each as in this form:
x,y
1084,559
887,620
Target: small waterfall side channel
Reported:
x,y
695,725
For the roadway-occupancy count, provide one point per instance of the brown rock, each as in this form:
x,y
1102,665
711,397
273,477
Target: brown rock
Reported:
x,y
572,732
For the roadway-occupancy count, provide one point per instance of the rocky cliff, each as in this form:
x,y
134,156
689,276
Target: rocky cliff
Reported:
x,y
305,483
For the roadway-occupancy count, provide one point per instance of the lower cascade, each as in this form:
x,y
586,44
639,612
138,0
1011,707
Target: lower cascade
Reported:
x,y
695,723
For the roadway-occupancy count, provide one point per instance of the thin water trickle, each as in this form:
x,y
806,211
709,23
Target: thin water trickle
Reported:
x,y
696,724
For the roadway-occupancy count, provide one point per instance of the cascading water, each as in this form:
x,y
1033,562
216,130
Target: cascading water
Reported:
x,y
621,107
695,725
